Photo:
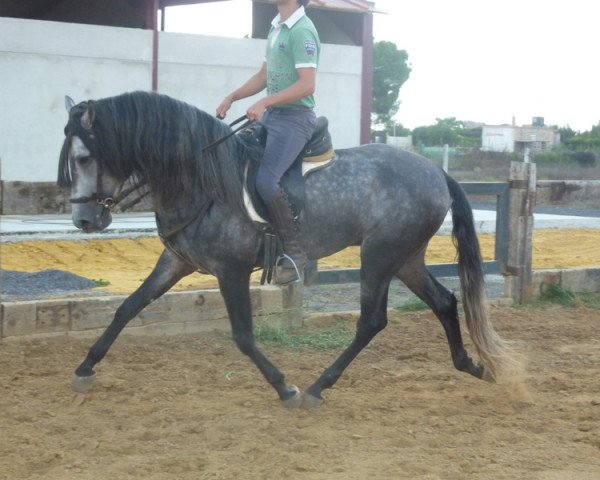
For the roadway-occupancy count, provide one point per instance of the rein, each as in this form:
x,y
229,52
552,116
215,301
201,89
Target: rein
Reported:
x,y
110,203
230,134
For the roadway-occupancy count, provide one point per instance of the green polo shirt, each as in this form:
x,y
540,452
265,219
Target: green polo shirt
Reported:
x,y
294,45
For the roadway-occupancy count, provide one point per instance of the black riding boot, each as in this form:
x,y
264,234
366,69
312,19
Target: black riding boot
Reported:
x,y
290,267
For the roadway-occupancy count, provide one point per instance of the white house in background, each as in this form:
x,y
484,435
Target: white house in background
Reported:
x,y
400,142
511,138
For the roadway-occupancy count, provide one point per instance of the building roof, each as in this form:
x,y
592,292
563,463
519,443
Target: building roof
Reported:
x,y
359,6
46,9
347,5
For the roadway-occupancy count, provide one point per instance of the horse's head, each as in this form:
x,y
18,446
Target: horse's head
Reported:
x,y
93,189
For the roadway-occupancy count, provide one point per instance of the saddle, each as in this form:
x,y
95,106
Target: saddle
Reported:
x,y
317,154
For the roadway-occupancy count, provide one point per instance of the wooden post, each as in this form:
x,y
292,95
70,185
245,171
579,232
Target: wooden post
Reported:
x,y
521,201
445,161
502,217
293,295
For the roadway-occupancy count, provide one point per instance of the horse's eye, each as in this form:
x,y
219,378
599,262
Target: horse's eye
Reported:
x,y
83,161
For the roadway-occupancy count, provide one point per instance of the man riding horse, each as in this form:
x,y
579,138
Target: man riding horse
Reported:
x,y
289,75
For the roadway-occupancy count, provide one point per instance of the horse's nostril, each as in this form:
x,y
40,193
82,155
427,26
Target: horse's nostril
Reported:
x,y
84,224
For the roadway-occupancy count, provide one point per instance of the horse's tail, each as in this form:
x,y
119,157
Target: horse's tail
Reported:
x,y
496,355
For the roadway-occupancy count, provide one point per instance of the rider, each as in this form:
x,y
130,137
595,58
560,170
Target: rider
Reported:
x,y
289,75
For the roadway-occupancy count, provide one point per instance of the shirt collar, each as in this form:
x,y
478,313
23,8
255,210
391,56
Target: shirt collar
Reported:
x,y
294,17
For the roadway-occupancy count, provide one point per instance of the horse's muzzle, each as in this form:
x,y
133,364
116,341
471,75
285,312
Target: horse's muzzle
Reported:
x,y
92,220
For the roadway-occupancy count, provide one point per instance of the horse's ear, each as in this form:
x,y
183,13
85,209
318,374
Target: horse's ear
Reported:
x,y
69,103
87,119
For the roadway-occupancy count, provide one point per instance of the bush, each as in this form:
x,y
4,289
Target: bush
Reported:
x,y
585,159
558,294
551,157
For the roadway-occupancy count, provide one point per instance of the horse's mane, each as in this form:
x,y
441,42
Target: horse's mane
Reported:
x,y
159,140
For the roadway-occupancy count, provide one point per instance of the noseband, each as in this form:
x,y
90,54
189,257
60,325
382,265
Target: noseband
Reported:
x,y
97,196
109,202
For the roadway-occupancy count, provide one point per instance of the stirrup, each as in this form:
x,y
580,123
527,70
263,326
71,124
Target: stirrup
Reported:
x,y
293,272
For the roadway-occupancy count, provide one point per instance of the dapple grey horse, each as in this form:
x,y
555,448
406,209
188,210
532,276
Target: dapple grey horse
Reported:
x,y
388,201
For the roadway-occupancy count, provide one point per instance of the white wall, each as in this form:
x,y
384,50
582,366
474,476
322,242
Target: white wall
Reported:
x,y
40,62
498,138
400,142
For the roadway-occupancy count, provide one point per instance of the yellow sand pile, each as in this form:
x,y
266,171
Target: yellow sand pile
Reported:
x,y
125,263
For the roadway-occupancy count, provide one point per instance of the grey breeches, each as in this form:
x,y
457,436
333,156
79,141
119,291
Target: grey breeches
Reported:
x,y
288,131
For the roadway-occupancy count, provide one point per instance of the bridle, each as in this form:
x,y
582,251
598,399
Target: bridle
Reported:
x,y
107,201
110,203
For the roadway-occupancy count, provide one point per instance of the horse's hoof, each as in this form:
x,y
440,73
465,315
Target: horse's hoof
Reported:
x,y
82,384
295,400
487,376
310,401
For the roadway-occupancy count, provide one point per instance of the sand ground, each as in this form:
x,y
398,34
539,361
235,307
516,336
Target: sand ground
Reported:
x,y
192,407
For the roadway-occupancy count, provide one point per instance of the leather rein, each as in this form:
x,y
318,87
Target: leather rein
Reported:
x,y
110,203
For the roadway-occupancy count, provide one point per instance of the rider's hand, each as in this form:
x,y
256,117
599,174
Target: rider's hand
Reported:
x,y
255,112
224,107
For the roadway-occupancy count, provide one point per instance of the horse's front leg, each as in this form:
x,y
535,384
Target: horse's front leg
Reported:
x,y
168,271
235,288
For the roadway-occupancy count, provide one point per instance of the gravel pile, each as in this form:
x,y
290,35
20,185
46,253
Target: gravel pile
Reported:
x,y
47,283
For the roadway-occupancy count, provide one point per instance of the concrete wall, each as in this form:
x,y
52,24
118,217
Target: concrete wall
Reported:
x,y
577,280
574,193
498,138
503,138
400,142
173,313
536,138
40,62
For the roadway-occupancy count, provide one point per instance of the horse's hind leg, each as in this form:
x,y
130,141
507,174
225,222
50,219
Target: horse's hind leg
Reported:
x,y
444,305
167,272
373,319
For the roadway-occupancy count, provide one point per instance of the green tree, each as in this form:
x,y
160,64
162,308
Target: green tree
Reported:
x,y
397,129
589,140
566,133
390,71
447,131
444,131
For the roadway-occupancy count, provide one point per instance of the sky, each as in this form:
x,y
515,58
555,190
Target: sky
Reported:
x,y
476,60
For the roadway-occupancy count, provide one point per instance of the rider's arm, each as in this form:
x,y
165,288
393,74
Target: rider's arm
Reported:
x,y
304,86
255,84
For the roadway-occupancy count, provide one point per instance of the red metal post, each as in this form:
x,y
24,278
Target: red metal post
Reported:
x,y
367,79
155,7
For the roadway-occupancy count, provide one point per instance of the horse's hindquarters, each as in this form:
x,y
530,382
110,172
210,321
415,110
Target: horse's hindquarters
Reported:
x,y
376,192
